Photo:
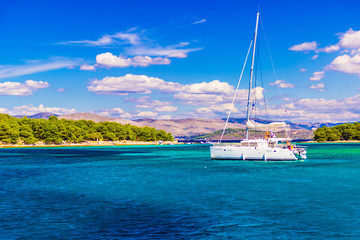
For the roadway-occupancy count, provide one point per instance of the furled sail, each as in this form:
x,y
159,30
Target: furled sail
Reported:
x,y
274,126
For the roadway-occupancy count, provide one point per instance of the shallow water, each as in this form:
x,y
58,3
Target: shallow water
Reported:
x,y
177,192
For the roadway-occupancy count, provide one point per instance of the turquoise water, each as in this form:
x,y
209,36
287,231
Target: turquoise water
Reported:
x,y
177,192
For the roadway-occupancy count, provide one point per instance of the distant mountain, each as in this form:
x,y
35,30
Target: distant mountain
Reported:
x,y
42,115
293,125
96,118
188,127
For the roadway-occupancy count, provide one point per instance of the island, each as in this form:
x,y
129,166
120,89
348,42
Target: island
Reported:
x,y
342,132
54,131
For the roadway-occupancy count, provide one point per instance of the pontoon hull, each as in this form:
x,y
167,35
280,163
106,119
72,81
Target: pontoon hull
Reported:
x,y
225,152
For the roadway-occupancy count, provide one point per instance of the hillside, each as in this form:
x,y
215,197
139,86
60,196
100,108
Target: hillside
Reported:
x,y
42,115
193,127
96,118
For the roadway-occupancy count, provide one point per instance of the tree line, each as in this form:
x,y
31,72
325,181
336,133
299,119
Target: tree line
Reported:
x,y
56,131
347,131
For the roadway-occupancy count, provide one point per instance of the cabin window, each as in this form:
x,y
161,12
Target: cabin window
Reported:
x,y
253,144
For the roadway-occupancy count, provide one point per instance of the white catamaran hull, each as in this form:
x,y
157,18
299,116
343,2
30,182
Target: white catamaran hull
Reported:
x,y
228,152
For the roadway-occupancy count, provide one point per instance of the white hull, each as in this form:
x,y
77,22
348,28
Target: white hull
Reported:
x,y
228,152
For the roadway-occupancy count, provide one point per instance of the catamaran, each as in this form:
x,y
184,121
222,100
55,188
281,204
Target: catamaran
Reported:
x,y
269,148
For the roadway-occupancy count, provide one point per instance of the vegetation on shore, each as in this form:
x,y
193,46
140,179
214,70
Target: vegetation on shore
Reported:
x,y
56,131
346,132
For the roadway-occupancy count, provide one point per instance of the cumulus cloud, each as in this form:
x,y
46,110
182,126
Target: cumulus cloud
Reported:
x,y
146,102
306,46
146,114
200,21
21,89
36,66
87,67
328,49
166,109
317,76
332,110
318,87
130,83
31,110
212,97
302,70
346,64
350,39
282,84
114,112
109,60
213,87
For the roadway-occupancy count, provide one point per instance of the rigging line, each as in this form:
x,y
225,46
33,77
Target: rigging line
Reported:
x,y
262,84
267,44
237,88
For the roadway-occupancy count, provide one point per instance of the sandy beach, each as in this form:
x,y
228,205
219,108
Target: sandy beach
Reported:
x,y
89,143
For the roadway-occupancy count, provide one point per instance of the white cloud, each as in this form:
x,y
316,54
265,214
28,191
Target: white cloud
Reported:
x,y
317,76
165,117
138,45
87,67
146,114
21,89
332,48
145,61
109,60
282,84
302,70
318,87
36,66
350,39
130,83
106,40
146,102
198,99
306,46
31,110
315,57
346,64
166,109
113,112
219,109
200,21
60,89
173,51
333,110
213,87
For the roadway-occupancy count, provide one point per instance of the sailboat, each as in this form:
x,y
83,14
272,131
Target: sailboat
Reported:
x,y
269,148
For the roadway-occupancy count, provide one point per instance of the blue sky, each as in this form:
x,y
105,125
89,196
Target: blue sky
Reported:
x,y
179,59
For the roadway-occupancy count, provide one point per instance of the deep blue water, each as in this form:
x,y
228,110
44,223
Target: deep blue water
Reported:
x,y
177,192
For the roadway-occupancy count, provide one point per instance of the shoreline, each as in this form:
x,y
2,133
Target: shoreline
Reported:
x,y
339,141
89,144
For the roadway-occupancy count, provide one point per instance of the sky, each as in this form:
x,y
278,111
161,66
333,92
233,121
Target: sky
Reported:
x,y
180,59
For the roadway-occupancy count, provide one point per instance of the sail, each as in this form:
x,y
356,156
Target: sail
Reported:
x,y
274,126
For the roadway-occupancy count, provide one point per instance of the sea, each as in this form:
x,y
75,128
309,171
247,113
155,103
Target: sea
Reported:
x,y
177,192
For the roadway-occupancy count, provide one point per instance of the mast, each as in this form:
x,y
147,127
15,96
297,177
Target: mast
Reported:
x,y
251,75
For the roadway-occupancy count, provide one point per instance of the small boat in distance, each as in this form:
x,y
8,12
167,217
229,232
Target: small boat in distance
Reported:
x,y
269,148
